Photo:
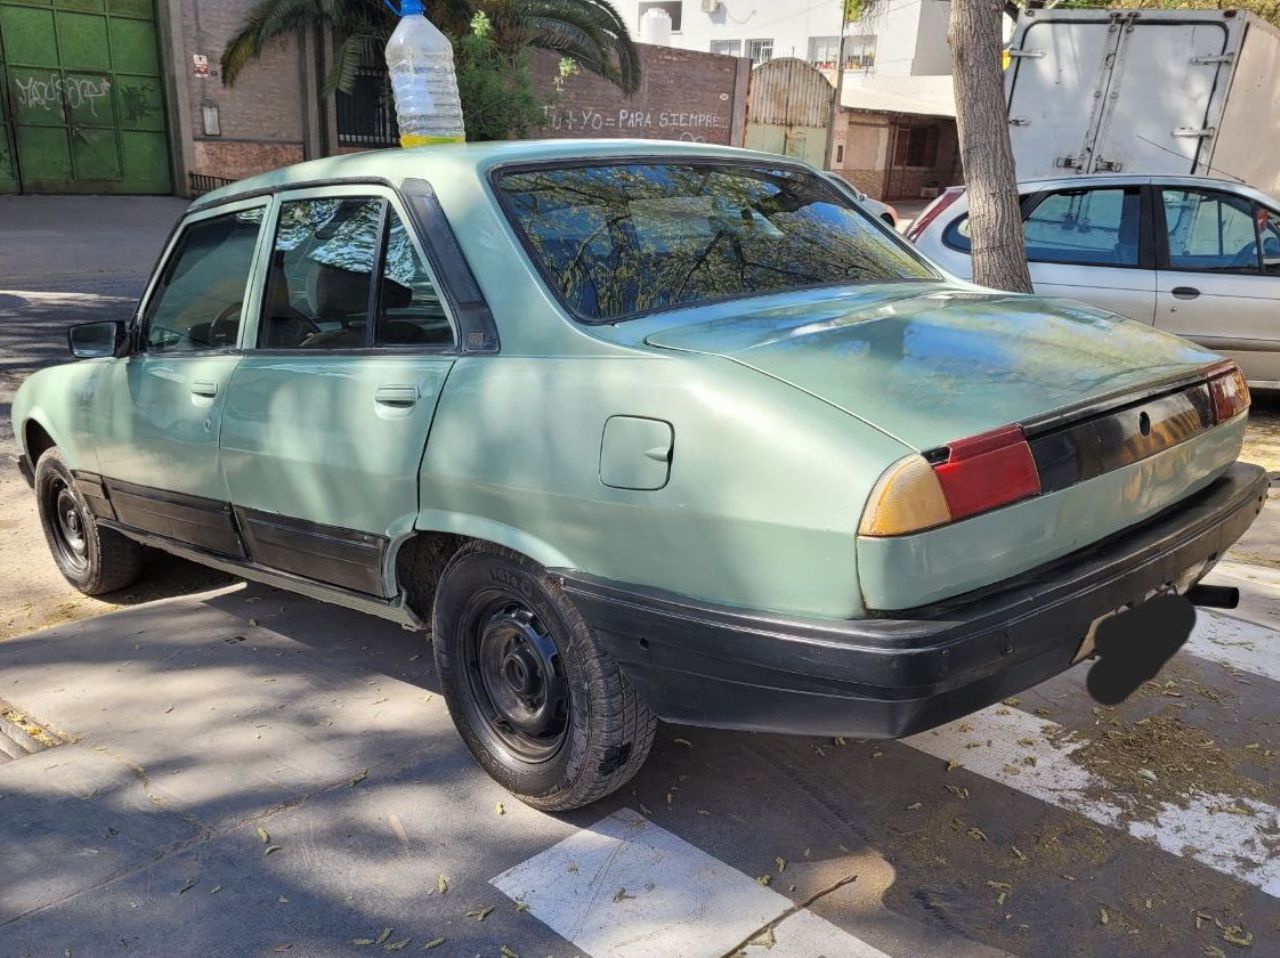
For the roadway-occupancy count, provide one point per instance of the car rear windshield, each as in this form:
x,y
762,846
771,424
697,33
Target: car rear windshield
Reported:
x,y
620,240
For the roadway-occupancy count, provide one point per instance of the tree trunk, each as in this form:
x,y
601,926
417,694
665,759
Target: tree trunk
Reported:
x,y
995,220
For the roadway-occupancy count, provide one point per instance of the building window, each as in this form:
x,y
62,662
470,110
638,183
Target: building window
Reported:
x,y
672,9
916,146
860,52
728,48
823,52
760,51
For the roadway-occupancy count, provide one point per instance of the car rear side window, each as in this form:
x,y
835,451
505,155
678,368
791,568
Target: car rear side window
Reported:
x,y
322,266
620,240
200,296
1098,227
410,312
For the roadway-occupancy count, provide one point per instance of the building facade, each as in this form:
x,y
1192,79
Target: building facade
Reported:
x,y
895,38
126,96
894,135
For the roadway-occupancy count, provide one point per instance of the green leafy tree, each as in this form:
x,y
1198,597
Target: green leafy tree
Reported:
x,y
589,33
497,92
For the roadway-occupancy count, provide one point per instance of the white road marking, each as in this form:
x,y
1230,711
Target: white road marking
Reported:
x,y
1233,642
1241,844
627,888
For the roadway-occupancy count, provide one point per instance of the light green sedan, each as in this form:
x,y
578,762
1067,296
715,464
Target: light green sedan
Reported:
x,y
638,430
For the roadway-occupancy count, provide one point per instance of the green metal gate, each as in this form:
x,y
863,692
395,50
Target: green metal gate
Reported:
x,y
81,98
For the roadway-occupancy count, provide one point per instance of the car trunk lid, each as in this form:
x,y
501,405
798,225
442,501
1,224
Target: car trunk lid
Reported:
x,y
929,364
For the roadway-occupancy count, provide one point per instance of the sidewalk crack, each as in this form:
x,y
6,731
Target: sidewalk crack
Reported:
x,y
769,927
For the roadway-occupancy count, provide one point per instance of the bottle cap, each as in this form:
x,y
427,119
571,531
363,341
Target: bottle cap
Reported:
x,y
410,8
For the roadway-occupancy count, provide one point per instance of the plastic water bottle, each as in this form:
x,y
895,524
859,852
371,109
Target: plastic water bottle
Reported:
x,y
420,61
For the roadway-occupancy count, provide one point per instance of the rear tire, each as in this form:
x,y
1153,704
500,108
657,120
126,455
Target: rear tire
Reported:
x,y
542,708
94,560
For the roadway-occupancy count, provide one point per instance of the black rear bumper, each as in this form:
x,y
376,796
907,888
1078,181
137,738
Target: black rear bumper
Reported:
x,y
888,677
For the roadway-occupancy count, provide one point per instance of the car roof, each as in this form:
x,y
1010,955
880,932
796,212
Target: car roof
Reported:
x,y
1127,179
397,165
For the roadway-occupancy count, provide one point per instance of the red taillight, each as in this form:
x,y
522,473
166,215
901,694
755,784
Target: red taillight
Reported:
x,y
987,471
933,211
977,474
1229,391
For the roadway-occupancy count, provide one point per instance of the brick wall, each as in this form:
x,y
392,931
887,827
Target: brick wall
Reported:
x,y
684,95
261,116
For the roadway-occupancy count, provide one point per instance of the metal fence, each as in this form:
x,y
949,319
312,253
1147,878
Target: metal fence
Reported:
x,y
366,115
202,183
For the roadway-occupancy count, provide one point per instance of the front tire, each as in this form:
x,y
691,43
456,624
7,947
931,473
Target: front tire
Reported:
x,y
94,560
542,708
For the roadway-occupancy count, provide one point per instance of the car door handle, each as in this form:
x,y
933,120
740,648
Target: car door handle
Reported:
x,y
1185,292
397,396
205,389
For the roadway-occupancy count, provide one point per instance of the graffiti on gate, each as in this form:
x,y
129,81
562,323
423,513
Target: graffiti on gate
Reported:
x,y
35,93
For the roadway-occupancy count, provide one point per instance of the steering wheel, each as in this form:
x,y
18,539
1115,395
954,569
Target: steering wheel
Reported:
x,y
218,329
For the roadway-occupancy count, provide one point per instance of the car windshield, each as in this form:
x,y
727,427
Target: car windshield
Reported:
x,y
623,239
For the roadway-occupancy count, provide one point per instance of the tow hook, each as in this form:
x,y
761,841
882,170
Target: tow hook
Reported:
x,y
1214,596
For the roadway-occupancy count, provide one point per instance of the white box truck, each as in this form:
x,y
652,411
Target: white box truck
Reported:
x,y
1145,91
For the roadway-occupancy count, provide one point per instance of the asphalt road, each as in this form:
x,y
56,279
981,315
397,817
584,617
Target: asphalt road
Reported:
x,y
245,772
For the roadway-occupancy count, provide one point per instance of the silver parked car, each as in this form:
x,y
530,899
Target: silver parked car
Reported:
x,y
1194,256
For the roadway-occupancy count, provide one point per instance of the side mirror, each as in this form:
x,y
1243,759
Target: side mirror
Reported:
x,y
98,340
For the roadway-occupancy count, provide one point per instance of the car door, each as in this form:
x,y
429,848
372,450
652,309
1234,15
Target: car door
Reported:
x,y
160,408
1218,281
1087,244
328,412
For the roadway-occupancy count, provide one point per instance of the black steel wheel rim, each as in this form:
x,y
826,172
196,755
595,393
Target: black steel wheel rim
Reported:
x,y
69,524
518,690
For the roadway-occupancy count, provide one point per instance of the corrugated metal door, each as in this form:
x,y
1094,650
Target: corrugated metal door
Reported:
x,y
787,110
83,97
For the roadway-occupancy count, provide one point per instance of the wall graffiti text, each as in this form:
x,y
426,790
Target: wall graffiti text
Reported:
x,y
52,94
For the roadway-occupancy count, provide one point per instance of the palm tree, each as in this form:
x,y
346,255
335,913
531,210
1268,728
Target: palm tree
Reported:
x,y
590,33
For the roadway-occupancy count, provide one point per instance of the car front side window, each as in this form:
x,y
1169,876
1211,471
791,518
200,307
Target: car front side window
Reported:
x,y
322,264
199,299
1210,231
1269,230
1099,227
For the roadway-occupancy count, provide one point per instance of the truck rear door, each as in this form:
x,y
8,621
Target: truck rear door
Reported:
x,y
1168,84
1058,69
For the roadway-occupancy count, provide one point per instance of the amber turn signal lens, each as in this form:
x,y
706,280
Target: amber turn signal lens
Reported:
x,y
908,498
962,479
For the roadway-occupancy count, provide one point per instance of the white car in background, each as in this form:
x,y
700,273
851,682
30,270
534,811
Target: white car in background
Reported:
x,y
881,211
1190,255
